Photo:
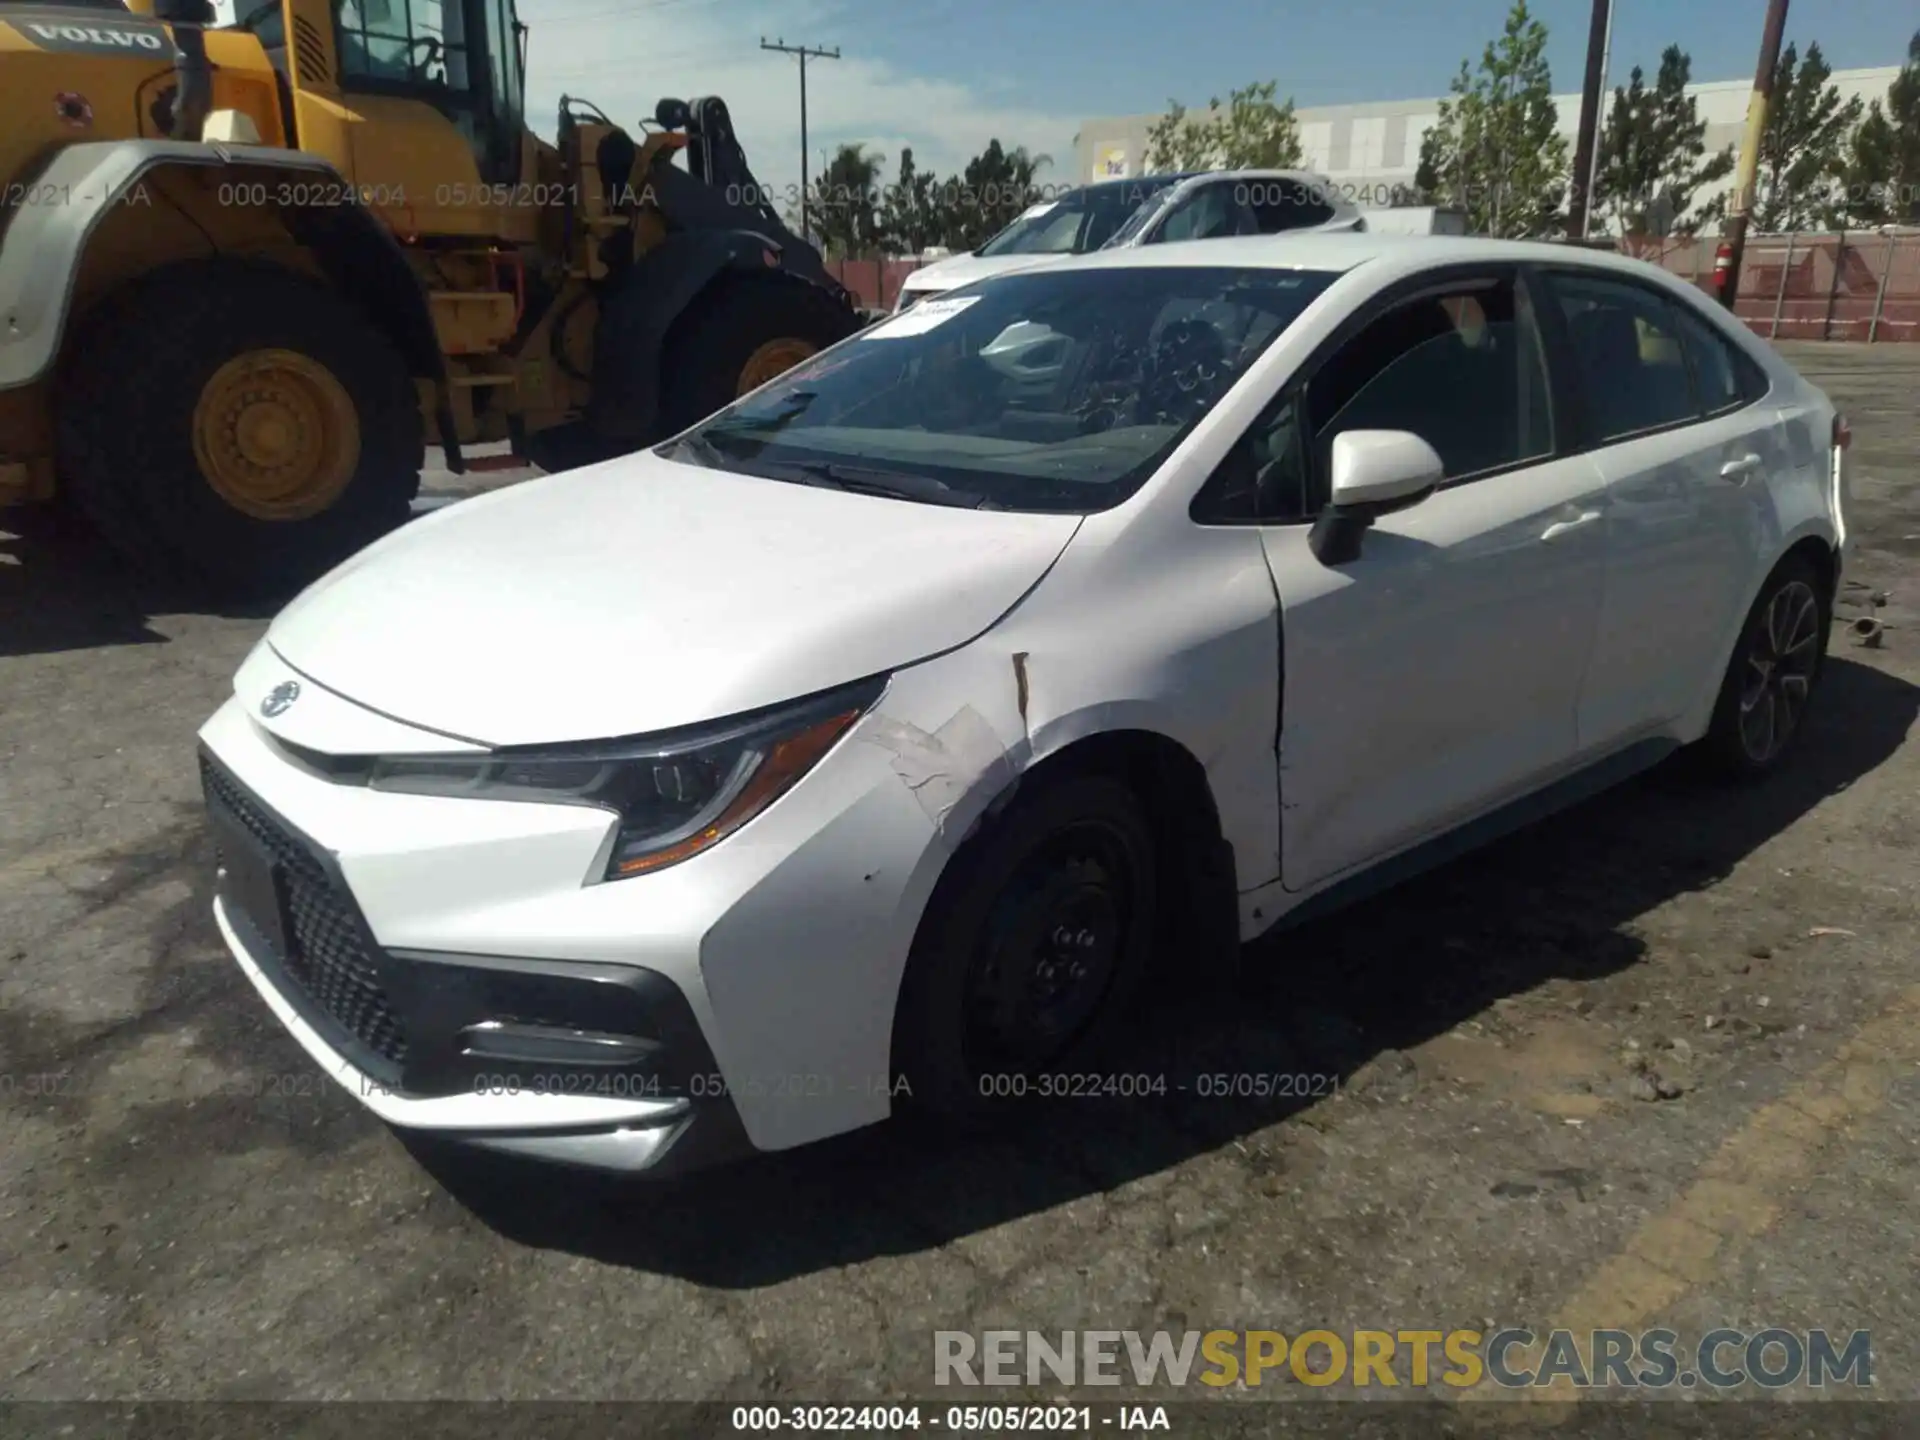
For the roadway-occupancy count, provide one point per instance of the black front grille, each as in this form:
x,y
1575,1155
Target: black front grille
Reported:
x,y
332,958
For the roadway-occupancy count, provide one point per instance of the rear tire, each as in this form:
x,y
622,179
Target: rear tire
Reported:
x,y
302,408
568,447
1776,665
711,350
992,1000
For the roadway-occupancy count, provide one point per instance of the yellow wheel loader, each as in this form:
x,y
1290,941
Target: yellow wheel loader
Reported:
x,y
248,272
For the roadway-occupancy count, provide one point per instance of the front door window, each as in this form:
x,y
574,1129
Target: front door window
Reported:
x,y
1209,213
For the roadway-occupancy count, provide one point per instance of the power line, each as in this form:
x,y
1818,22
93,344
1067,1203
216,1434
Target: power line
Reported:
x,y
614,12
804,52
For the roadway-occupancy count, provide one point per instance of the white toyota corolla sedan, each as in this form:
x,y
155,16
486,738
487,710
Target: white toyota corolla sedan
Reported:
x,y
877,740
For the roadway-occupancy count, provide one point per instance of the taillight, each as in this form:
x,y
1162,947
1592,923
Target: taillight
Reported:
x,y
1842,432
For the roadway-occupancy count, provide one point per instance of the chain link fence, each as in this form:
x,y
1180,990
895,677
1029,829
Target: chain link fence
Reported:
x,y
1831,285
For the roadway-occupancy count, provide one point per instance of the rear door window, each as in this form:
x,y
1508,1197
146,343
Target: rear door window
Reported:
x,y
1724,378
1280,205
1626,341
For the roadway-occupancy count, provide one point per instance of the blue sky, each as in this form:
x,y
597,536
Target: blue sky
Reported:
x,y
1107,57
946,75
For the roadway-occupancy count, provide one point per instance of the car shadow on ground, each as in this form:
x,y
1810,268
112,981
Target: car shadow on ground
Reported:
x,y
1329,998
61,589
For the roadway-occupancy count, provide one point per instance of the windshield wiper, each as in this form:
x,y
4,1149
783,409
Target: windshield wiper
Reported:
x,y
894,484
757,425
709,444
698,449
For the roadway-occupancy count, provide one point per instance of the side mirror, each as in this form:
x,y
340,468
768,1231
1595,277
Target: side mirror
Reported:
x,y
1375,472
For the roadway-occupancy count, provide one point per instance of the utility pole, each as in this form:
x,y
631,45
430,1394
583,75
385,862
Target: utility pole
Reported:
x,y
803,52
1600,123
1733,240
1586,150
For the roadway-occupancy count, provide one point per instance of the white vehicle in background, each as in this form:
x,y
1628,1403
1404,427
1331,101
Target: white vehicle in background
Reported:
x,y
1071,224
1149,210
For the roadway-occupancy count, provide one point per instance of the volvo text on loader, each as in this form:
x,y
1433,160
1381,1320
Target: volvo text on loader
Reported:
x,y
248,272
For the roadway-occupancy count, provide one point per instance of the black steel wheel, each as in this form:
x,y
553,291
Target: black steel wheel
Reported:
x,y
1030,951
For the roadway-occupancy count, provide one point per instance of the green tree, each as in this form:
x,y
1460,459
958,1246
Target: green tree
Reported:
x,y
996,186
1802,150
1250,132
1653,155
1496,150
909,215
1882,174
843,202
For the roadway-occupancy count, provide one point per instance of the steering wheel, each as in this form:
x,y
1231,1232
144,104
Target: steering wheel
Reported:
x,y
417,69
269,9
967,388
1183,371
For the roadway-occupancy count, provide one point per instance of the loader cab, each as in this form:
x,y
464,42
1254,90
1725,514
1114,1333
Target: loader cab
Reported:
x,y
462,57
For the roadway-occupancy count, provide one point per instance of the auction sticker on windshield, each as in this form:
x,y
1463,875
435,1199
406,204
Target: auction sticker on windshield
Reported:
x,y
920,319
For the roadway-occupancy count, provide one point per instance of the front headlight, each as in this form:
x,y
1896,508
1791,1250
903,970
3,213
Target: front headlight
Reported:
x,y
676,794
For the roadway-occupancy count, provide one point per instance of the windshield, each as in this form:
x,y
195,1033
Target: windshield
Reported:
x,y
1078,221
1138,219
1041,391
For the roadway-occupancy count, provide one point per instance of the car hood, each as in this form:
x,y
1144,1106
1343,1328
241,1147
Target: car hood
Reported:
x,y
958,270
643,594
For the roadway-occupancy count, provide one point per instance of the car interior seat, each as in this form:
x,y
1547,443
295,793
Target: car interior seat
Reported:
x,y
1608,343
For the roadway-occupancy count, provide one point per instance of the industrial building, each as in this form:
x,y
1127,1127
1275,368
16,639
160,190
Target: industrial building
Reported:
x,y
1367,150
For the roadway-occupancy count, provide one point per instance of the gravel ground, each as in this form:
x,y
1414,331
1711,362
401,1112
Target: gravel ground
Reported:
x,y
1651,1063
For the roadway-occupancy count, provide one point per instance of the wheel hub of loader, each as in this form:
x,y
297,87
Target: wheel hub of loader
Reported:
x,y
771,361
276,435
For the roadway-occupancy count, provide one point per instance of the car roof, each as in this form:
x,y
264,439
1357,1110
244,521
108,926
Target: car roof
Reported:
x,y
1309,176
1102,187
1341,251
1166,179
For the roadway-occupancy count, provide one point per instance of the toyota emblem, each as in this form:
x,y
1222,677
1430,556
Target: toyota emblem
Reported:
x,y
279,698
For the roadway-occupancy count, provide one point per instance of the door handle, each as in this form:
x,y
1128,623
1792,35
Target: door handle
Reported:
x,y
1738,470
1562,527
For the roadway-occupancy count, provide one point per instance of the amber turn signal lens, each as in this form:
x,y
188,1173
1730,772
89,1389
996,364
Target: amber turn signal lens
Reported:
x,y
787,760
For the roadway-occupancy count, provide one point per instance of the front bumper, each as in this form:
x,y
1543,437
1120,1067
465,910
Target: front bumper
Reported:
x,y
742,999
575,1062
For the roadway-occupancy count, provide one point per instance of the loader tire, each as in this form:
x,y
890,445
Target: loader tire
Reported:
x,y
237,427
739,335
568,447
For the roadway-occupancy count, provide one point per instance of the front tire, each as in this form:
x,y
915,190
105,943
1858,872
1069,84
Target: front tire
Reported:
x,y
1776,664
568,447
237,426
741,334
1035,941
